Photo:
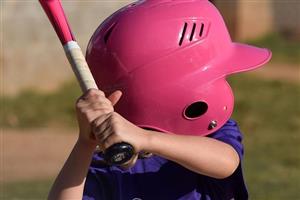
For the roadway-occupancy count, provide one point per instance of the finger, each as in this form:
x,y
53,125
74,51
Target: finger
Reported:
x,y
115,97
92,99
80,104
103,130
91,93
101,104
98,124
107,132
111,140
95,104
91,114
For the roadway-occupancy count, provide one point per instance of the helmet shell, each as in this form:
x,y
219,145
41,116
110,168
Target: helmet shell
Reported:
x,y
166,56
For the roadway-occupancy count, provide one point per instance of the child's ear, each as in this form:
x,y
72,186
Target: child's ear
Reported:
x,y
115,97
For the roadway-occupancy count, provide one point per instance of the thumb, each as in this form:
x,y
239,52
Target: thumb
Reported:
x,y
115,97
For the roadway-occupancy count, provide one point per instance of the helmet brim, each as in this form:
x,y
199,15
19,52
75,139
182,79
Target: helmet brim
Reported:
x,y
245,57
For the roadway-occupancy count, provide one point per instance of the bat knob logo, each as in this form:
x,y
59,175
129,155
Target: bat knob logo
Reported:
x,y
118,154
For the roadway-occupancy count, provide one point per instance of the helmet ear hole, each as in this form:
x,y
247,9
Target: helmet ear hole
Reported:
x,y
195,110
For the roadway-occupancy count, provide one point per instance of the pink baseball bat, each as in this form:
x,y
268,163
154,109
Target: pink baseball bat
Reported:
x,y
117,154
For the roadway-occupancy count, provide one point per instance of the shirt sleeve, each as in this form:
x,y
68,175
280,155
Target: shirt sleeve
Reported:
x,y
230,134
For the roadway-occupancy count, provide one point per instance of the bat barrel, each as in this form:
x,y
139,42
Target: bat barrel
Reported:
x,y
58,19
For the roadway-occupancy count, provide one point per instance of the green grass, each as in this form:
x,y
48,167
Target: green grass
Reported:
x,y
267,112
33,109
284,50
29,190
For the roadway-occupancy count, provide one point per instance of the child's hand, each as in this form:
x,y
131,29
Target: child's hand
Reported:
x,y
100,125
91,105
112,128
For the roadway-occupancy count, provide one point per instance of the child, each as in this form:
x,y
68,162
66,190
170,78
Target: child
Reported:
x,y
162,65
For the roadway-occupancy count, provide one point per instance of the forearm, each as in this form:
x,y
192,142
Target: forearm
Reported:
x,y
70,181
202,155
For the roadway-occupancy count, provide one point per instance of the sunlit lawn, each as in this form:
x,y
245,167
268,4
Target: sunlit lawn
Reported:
x,y
30,190
268,113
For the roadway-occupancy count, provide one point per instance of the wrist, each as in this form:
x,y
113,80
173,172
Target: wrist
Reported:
x,y
156,141
149,137
86,145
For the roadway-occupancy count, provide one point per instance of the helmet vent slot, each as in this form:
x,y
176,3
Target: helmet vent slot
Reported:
x,y
183,34
108,33
201,29
195,110
193,32
190,34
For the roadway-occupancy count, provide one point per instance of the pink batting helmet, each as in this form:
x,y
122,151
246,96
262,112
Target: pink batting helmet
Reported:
x,y
170,59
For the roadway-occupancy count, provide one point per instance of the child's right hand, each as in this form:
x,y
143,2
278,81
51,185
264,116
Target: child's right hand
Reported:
x,y
90,106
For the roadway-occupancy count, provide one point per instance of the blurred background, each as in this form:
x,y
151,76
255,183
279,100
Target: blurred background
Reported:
x,y
38,91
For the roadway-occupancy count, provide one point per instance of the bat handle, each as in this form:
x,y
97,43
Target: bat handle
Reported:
x,y
79,66
117,154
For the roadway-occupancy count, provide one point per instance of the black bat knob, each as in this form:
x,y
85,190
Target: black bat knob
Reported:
x,y
118,154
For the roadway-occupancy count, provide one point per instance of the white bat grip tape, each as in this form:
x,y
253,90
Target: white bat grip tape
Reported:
x,y
79,66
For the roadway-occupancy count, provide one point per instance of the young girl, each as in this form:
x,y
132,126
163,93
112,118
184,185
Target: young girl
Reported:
x,y
162,66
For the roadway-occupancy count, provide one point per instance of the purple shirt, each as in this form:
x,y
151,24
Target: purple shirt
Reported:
x,y
156,178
